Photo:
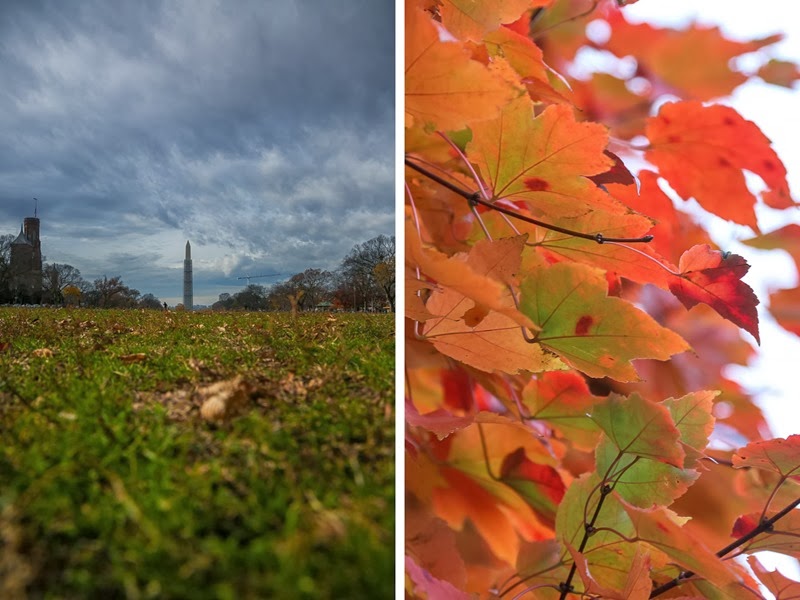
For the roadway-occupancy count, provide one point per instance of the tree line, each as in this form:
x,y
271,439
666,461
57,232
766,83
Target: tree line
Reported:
x,y
364,281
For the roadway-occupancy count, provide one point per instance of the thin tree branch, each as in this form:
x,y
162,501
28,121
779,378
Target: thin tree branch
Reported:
x,y
475,198
588,530
763,527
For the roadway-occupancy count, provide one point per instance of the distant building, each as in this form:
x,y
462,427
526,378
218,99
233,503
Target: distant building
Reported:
x,y
26,263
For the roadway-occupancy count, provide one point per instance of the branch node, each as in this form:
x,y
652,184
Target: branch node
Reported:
x,y
599,238
606,489
474,199
766,526
563,587
590,529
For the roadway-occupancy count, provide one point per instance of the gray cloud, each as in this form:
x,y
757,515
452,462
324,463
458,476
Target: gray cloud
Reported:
x,y
261,130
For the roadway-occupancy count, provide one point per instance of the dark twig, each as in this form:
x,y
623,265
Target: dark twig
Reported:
x,y
588,530
762,527
474,198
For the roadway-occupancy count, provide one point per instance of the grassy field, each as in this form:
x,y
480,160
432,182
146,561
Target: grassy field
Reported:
x,y
112,484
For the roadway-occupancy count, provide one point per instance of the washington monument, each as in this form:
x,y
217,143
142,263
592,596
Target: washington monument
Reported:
x,y
188,294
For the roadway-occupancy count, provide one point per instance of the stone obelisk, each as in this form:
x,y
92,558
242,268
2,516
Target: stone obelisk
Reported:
x,y
188,293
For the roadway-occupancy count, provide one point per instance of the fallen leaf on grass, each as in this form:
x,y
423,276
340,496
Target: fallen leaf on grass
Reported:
x,y
223,399
42,352
5,346
133,358
295,386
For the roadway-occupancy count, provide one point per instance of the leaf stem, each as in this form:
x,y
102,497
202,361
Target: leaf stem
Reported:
x,y
763,526
475,198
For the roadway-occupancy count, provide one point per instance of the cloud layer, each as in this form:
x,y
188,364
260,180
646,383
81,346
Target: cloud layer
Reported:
x,y
260,130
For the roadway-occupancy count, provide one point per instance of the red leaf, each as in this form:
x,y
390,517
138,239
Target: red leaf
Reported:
x,y
714,278
430,586
619,173
744,525
440,422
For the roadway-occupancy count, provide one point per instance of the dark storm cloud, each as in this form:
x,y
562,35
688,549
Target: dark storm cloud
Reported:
x,y
264,127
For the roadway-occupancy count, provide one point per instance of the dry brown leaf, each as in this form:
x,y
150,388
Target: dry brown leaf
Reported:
x,y
223,399
133,358
42,352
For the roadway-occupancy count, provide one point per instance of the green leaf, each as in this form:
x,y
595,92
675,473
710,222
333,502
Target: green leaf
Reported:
x,y
641,481
693,418
641,428
591,332
608,554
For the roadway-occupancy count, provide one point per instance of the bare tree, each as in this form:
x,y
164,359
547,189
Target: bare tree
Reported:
x,y
112,293
56,277
5,268
150,301
372,263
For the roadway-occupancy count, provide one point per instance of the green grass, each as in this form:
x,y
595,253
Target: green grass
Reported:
x,y
113,486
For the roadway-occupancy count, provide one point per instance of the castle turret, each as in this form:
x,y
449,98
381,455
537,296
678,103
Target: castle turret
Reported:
x,y
26,262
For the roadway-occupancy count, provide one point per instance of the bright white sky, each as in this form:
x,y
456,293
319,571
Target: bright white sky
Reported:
x,y
775,111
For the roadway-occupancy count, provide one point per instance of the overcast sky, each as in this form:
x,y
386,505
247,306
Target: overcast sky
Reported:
x,y
260,130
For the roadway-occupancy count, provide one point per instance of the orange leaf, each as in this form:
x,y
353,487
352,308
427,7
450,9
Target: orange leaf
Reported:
x,y
526,59
779,72
637,587
779,455
483,276
562,400
786,238
494,344
782,587
702,150
674,231
444,87
472,19
714,278
694,62
659,529
785,307
544,161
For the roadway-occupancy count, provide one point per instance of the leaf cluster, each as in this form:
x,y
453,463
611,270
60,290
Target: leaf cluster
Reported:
x,y
570,427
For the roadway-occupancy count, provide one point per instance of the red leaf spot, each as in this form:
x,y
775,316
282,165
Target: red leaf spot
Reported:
x,y
673,139
728,121
583,325
768,165
723,162
663,527
537,185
